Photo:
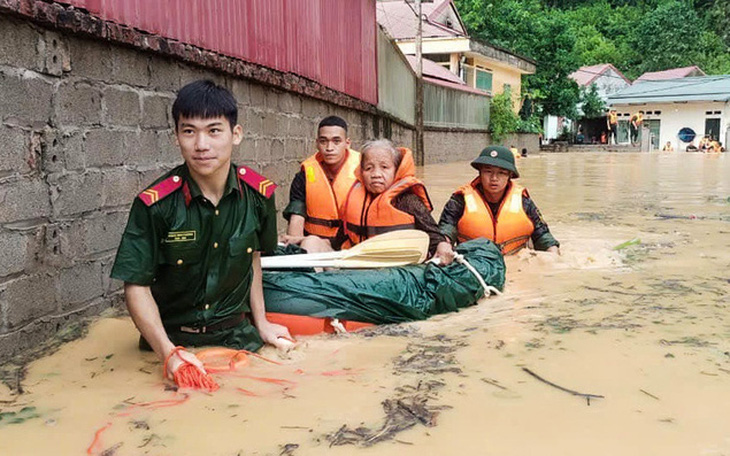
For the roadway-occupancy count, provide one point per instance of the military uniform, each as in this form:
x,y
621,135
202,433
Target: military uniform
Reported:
x,y
197,257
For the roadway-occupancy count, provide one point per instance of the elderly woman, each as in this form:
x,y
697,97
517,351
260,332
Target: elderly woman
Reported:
x,y
386,197
494,207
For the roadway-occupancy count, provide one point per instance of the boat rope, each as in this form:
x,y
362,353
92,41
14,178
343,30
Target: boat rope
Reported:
x,y
488,290
337,326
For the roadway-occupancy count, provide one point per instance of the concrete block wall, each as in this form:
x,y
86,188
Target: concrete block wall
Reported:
x,y
85,125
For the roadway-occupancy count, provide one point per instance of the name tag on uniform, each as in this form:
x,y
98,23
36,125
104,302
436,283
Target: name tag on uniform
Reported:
x,y
181,236
309,171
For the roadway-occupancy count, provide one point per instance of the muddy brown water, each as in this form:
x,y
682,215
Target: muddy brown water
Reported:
x,y
646,326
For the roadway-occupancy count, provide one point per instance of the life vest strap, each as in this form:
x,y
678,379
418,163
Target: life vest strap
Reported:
x,y
513,245
370,231
323,222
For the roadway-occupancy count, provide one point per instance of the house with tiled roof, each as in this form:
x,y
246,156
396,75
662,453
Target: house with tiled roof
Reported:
x,y
606,77
700,104
674,73
446,42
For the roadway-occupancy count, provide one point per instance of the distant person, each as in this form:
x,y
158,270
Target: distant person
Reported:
x,y
668,147
524,152
715,146
612,125
514,151
704,144
493,206
691,147
635,123
320,188
604,138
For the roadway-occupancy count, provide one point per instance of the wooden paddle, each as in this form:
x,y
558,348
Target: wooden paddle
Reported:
x,y
397,248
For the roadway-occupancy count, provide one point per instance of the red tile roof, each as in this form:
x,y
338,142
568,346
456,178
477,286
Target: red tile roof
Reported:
x,y
585,76
434,70
674,73
399,19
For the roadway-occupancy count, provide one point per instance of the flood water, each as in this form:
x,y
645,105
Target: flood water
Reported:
x,y
646,326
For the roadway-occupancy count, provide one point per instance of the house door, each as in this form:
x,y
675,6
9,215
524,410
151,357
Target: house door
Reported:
x,y
622,133
712,129
654,127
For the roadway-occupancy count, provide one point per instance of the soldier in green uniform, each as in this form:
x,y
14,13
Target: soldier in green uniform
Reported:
x,y
190,254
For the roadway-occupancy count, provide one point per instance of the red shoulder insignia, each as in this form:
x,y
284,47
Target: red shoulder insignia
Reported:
x,y
160,190
256,181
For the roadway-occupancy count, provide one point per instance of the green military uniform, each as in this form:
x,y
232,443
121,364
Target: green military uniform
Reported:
x,y
196,257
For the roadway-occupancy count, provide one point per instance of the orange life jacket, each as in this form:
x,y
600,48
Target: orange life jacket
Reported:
x,y
366,215
512,228
324,199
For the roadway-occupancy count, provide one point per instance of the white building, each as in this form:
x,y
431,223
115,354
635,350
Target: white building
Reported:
x,y
607,79
699,103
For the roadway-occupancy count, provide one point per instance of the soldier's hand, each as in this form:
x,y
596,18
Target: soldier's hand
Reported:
x,y
288,239
180,357
445,253
276,335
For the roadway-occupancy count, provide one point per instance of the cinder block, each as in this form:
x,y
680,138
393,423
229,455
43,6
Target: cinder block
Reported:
x,y
168,151
122,107
77,193
14,151
290,103
131,67
77,103
102,233
18,44
241,91
28,298
165,75
79,284
63,150
14,250
254,123
143,147
91,59
258,96
24,100
272,125
119,186
155,111
54,54
24,199
278,150
104,147
263,150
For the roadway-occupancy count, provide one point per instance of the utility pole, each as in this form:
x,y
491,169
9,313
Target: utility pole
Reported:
x,y
420,154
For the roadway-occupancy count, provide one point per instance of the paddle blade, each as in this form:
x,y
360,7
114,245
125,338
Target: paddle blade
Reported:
x,y
397,248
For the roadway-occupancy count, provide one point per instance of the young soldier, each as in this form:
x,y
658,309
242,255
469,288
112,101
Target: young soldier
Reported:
x,y
319,189
190,254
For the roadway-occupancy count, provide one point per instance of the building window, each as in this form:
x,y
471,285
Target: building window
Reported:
x,y
484,80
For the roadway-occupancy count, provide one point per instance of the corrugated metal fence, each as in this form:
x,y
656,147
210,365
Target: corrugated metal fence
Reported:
x,y
444,107
330,41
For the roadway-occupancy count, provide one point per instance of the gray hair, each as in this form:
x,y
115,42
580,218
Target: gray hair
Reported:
x,y
385,145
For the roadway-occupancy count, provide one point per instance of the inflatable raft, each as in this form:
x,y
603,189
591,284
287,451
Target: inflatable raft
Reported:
x,y
345,300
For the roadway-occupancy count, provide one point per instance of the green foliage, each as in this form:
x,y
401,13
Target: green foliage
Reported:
x,y
502,117
592,103
634,35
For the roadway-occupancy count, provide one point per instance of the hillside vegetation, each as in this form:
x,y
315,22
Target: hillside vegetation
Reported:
x,y
636,36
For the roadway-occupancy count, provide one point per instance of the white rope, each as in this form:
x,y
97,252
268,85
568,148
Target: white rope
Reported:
x,y
337,326
487,288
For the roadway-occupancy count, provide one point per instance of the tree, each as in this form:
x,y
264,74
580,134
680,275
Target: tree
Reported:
x,y
502,117
592,104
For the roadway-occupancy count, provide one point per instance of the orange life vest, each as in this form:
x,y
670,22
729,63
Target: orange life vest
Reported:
x,y
512,228
324,199
366,215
